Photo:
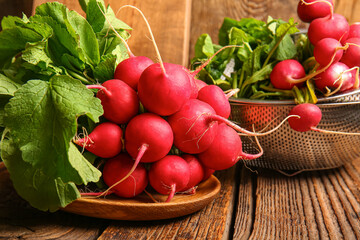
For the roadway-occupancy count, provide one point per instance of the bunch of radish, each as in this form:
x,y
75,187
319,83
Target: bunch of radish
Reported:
x,y
336,51
163,128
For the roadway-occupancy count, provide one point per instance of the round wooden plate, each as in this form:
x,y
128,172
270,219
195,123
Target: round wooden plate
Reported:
x,y
142,207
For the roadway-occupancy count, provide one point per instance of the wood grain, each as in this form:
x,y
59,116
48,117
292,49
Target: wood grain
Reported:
x,y
312,205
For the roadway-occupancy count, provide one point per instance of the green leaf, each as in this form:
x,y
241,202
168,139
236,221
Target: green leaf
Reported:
x,y
286,49
42,116
42,190
237,37
287,28
7,86
105,70
10,22
87,38
204,47
42,120
36,54
14,40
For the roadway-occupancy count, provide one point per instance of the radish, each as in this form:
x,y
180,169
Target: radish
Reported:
x,y
334,26
217,99
351,56
195,126
116,168
225,150
120,102
200,84
104,141
148,137
354,31
197,172
324,51
207,173
309,117
164,88
286,73
309,10
289,73
169,175
130,69
337,78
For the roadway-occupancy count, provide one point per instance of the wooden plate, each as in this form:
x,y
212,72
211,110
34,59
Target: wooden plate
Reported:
x,y
143,207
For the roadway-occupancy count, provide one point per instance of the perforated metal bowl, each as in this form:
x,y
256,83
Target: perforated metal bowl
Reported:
x,y
286,149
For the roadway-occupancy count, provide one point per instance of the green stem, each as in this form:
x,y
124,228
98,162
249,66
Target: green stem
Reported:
x,y
78,76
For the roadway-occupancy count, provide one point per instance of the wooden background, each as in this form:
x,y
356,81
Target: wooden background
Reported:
x,y
192,18
314,205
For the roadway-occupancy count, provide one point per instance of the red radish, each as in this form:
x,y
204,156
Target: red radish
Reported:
x,y
148,137
130,69
309,117
225,150
116,168
207,173
169,175
335,26
200,84
309,10
195,126
325,49
351,56
216,98
337,77
197,171
354,31
286,74
120,102
104,141
164,90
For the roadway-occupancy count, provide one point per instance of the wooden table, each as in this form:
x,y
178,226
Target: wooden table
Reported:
x,y
251,205
263,205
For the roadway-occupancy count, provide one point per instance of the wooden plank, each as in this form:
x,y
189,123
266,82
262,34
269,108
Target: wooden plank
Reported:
x,y
212,222
348,8
311,205
15,8
245,207
169,21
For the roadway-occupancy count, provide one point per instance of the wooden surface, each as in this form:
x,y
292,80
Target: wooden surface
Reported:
x,y
262,205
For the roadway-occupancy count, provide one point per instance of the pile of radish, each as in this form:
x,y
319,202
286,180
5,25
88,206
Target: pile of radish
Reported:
x,y
169,131
337,53
162,129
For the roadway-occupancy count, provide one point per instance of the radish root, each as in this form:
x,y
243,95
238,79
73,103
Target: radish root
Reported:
x,y
151,34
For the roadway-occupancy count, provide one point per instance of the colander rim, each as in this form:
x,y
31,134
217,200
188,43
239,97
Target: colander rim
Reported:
x,y
321,100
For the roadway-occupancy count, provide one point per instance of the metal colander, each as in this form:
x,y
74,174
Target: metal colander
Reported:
x,y
286,149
